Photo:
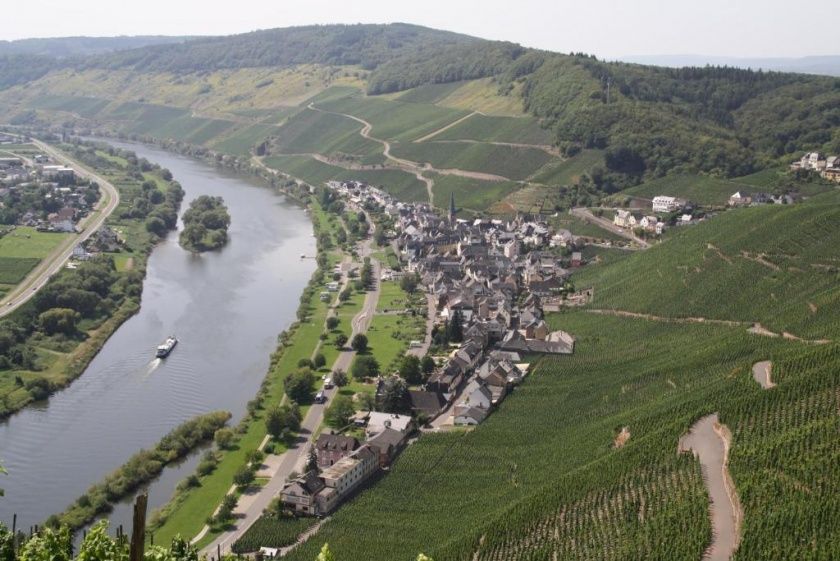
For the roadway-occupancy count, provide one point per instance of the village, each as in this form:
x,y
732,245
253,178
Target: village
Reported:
x,y
36,192
493,279
489,283
828,167
669,211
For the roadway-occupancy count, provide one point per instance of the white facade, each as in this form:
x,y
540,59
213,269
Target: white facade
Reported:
x,y
623,219
665,204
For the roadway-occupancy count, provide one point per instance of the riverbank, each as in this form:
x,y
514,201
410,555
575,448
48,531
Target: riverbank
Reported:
x,y
59,360
192,505
189,509
139,470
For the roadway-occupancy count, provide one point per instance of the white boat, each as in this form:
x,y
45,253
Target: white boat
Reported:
x,y
166,347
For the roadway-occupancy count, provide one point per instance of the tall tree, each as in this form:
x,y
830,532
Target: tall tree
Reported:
x,y
410,369
394,396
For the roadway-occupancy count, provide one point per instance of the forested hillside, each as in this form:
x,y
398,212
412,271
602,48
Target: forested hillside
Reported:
x,y
64,47
647,122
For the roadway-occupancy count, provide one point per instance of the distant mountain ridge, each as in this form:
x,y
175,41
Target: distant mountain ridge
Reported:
x,y
650,121
66,47
828,65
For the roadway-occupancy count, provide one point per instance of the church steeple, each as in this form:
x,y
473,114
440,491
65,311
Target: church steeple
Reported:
x,y
452,206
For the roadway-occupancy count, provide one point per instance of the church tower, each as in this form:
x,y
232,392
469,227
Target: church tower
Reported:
x,y
452,207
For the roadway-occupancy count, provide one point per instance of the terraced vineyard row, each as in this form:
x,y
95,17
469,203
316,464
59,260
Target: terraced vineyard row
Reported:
x,y
777,265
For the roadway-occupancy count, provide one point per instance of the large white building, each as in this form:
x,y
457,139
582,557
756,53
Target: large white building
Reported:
x,y
663,203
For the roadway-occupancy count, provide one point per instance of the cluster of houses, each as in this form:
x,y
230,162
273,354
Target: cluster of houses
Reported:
x,y
651,223
494,276
55,186
344,463
827,167
748,198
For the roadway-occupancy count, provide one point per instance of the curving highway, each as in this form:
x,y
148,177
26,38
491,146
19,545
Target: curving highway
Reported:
x,y
54,262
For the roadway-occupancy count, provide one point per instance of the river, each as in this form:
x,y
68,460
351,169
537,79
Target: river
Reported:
x,y
226,307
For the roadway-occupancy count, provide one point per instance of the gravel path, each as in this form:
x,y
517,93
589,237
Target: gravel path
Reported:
x,y
710,442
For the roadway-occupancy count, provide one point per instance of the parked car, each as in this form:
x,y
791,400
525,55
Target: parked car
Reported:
x,y
320,397
328,384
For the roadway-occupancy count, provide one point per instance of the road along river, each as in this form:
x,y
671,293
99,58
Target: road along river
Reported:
x,y
226,308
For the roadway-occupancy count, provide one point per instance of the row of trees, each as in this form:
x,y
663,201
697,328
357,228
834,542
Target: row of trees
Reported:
x,y
141,468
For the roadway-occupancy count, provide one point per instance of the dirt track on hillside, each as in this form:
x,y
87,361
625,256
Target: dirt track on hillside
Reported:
x,y
710,442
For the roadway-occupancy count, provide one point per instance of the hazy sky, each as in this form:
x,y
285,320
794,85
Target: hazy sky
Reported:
x,y
606,28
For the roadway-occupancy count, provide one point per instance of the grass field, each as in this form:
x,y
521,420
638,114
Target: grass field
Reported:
x,y
21,250
580,227
521,130
569,172
14,269
148,118
473,95
507,161
27,242
470,194
191,129
242,139
702,189
87,107
389,334
212,94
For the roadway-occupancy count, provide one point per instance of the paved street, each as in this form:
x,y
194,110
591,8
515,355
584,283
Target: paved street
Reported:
x,y
251,507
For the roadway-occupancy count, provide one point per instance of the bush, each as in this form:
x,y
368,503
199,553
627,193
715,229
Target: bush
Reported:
x,y
224,438
360,342
332,323
298,385
244,476
364,367
340,340
339,378
338,414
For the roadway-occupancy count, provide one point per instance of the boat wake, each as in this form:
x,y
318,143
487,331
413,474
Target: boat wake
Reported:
x,y
152,366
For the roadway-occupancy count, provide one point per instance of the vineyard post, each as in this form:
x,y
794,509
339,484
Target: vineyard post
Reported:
x,y
138,531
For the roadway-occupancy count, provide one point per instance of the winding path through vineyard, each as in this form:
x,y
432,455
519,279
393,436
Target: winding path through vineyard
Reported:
x,y
754,328
710,441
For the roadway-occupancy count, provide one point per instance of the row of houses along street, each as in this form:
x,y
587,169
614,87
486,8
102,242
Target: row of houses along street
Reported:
x,y
490,282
